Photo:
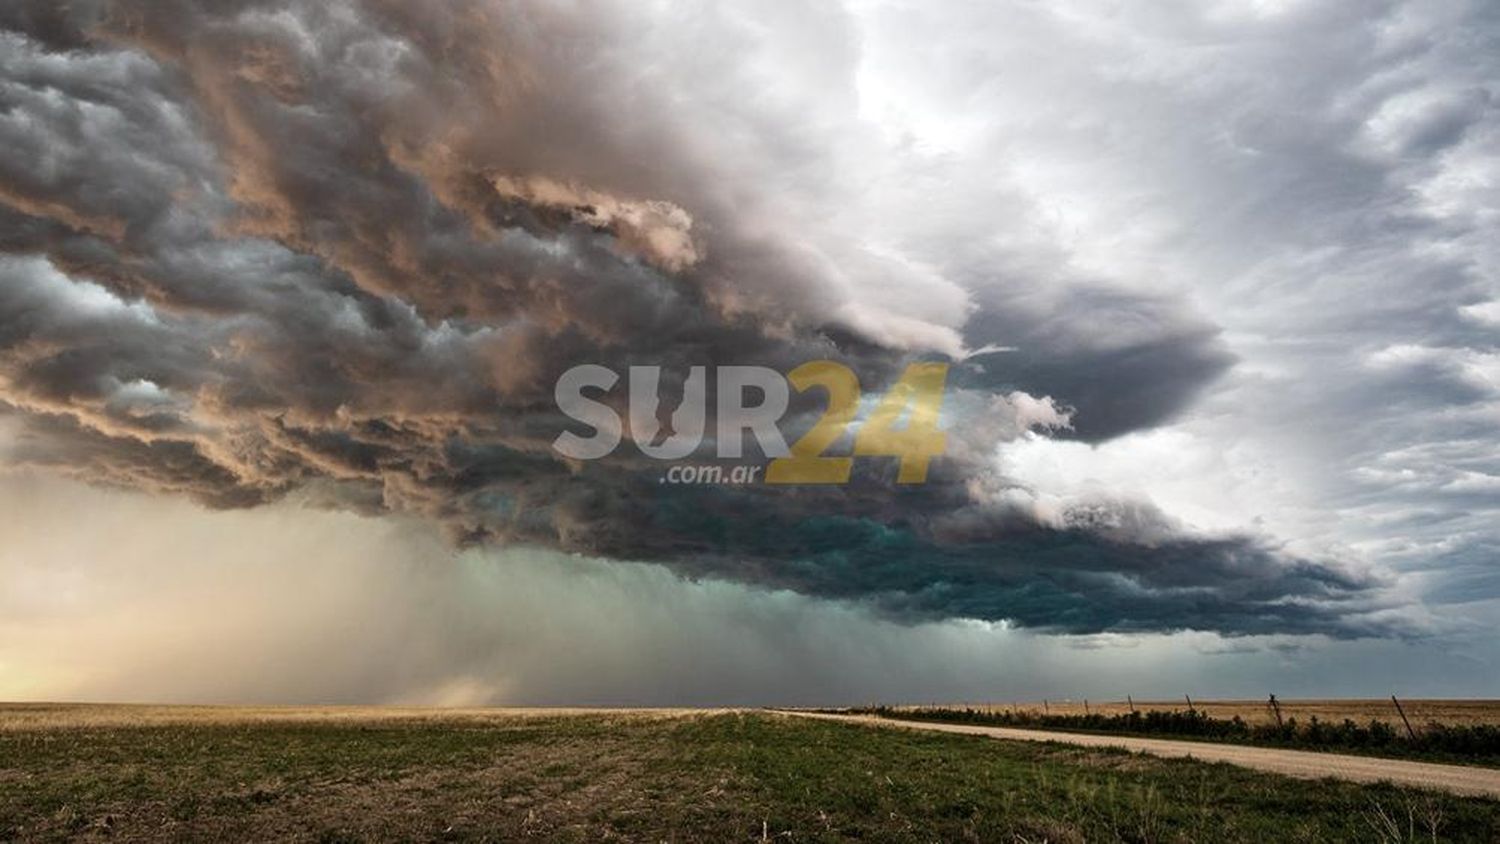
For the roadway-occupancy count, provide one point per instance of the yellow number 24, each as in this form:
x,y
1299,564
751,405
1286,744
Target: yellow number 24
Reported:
x,y
918,397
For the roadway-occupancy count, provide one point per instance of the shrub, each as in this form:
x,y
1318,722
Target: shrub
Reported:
x,y
1466,742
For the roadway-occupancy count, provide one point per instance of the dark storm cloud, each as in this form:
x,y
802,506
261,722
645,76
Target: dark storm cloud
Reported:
x,y
344,250
1100,575
1123,362
61,26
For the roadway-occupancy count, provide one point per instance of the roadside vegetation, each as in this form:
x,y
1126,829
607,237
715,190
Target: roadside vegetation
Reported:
x,y
1473,744
719,777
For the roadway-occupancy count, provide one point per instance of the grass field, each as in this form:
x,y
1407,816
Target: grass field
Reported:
x,y
124,774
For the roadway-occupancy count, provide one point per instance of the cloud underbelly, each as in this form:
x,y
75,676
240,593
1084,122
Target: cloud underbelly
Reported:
x,y
342,254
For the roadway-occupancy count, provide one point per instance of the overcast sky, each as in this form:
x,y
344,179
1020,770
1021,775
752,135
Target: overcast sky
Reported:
x,y
285,289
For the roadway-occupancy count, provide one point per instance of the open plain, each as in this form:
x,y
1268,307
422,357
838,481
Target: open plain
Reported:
x,y
312,774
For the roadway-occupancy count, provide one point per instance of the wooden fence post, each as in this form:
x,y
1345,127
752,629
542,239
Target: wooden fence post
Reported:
x,y
1409,731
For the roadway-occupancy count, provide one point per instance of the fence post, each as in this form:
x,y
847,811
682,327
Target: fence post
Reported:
x,y
1085,707
1130,701
1409,731
1191,710
1046,710
1276,708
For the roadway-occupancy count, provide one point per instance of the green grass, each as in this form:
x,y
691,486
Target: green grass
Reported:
x,y
722,777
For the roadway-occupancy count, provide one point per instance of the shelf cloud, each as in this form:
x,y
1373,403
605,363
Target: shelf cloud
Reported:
x,y
339,254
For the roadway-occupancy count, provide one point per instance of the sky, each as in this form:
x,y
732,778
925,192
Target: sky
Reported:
x,y
286,289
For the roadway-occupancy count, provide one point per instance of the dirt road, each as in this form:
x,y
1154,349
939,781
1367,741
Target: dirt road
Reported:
x,y
1457,779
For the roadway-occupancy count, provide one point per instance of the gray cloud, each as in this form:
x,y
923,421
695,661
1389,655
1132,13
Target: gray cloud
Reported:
x,y
1124,362
342,252
159,602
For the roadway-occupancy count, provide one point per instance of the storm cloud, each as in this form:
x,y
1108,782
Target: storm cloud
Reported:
x,y
339,253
